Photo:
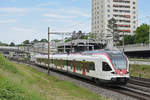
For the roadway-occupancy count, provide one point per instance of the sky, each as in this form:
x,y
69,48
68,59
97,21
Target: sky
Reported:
x,y
29,19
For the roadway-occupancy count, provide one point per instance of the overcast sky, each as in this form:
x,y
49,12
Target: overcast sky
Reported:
x,y
28,19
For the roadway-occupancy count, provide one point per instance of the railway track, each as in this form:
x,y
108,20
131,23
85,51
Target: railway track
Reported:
x,y
140,81
139,94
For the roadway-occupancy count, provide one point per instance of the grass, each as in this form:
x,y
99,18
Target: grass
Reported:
x,y
137,59
142,71
6,65
20,82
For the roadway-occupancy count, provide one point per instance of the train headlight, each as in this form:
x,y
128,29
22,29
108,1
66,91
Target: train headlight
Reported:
x,y
127,73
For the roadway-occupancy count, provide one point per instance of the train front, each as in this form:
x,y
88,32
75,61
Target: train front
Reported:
x,y
120,66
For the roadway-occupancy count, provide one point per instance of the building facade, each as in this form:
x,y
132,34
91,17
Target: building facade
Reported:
x,y
124,11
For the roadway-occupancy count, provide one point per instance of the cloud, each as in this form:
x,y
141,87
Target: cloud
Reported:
x,y
24,30
79,13
52,15
12,10
51,3
8,21
63,13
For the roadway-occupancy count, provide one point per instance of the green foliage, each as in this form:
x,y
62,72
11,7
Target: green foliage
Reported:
x,y
142,34
35,41
8,91
91,35
68,39
55,40
11,91
85,37
82,93
12,44
3,44
6,65
142,71
129,39
26,42
44,40
9,88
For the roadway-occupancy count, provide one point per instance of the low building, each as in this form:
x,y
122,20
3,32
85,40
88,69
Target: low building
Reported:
x,y
78,45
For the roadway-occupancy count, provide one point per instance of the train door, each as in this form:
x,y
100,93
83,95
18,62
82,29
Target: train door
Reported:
x,y
98,68
106,70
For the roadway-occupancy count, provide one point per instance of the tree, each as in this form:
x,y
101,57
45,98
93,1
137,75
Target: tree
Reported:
x,y
142,34
44,40
91,35
77,35
68,39
56,40
35,41
129,39
3,44
12,44
26,42
85,37
113,29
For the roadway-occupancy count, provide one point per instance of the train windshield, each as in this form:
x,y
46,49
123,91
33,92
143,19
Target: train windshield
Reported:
x,y
119,60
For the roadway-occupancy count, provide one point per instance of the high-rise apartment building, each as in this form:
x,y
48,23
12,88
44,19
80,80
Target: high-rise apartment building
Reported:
x,y
124,11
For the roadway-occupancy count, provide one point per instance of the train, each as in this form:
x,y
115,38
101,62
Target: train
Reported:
x,y
101,66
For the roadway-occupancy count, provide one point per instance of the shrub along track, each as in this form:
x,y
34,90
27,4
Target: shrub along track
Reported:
x,y
115,92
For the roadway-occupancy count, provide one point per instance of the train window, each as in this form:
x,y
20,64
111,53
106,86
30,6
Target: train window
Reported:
x,y
106,67
90,66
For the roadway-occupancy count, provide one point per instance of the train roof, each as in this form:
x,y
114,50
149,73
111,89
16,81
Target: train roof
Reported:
x,y
102,51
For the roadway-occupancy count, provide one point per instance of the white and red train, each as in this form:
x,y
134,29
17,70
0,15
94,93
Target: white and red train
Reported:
x,y
102,66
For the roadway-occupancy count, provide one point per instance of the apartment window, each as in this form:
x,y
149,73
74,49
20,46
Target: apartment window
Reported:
x,y
133,7
108,6
108,10
108,16
134,3
134,12
134,17
121,1
121,6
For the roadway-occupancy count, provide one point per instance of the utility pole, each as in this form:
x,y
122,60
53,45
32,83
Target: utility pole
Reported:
x,y
149,33
48,50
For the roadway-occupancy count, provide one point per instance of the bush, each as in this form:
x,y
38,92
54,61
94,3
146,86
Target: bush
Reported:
x,y
8,91
6,65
